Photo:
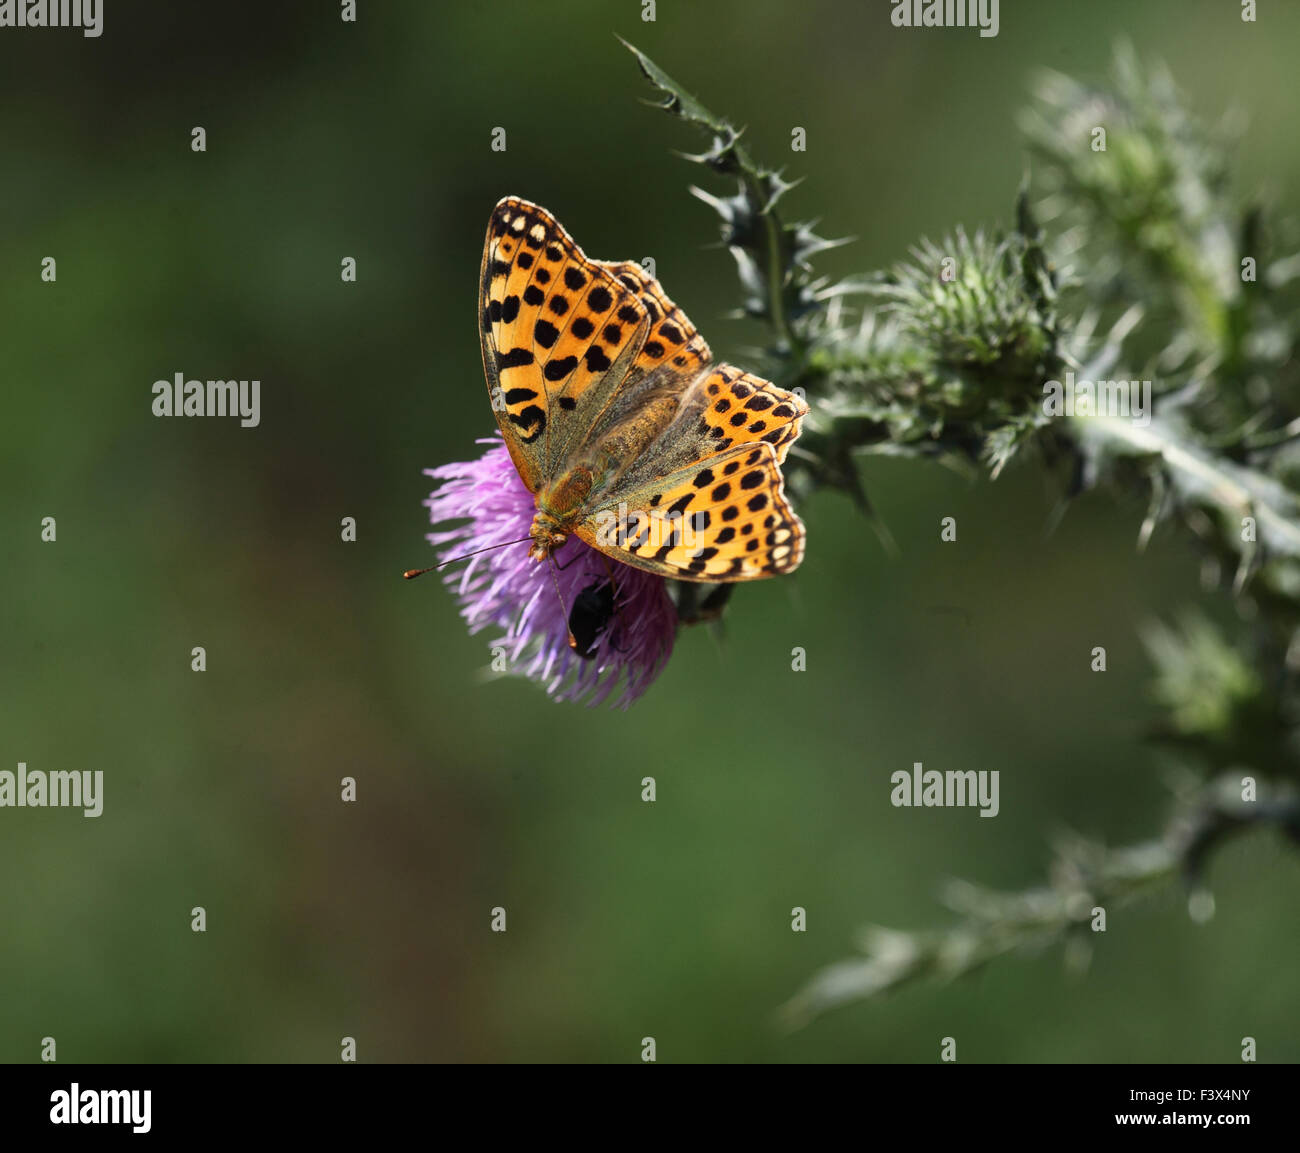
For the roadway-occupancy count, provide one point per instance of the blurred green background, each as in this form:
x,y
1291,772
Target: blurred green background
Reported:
x,y
671,920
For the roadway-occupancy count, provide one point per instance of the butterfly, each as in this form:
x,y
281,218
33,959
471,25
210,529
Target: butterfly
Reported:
x,y
619,422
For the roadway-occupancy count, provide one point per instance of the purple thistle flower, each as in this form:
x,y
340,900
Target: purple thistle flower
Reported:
x,y
507,590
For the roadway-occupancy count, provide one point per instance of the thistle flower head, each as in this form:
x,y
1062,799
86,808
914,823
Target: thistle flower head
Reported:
x,y
628,636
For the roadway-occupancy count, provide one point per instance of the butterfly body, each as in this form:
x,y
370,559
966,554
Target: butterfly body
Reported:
x,y
619,422
562,503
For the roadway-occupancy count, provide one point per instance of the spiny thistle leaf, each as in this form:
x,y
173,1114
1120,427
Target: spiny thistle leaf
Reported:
x,y
1085,876
772,256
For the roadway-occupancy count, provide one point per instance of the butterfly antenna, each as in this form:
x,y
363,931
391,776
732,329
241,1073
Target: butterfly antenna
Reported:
x,y
555,581
412,573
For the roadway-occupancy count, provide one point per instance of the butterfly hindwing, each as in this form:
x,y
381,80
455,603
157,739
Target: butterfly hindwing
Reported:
x,y
673,345
741,408
725,519
724,408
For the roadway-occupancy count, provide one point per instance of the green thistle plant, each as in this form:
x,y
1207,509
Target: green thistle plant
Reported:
x,y
1135,253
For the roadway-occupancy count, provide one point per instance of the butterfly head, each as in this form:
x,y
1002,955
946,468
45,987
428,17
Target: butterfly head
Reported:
x,y
546,535
545,542
557,508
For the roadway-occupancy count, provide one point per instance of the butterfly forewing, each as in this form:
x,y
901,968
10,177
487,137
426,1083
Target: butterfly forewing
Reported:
x,y
555,325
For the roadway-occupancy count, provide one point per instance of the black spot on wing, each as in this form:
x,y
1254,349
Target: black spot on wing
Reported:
x,y
559,369
532,418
